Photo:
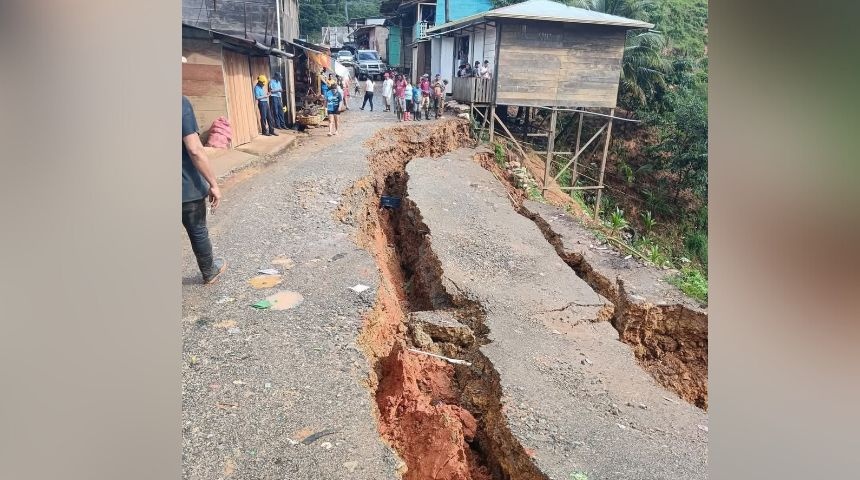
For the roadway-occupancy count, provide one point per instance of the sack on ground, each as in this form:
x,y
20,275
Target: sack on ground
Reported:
x,y
220,133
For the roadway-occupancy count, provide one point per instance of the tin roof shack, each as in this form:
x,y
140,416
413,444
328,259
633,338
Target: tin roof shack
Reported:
x,y
545,55
413,19
257,20
219,78
372,35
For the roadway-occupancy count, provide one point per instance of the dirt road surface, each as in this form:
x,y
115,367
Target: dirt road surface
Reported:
x,y
335,386
254,382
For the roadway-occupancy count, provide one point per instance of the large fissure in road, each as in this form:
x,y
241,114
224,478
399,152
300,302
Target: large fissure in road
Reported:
x,y
444,419
670,341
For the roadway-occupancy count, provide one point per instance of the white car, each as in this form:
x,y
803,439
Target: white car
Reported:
x,y
344,56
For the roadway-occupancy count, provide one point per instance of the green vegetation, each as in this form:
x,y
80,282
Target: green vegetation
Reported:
x,y
578,476
617,222
500,156
315,14
692,282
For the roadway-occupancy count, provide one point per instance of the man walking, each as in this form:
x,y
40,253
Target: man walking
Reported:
x,y
198,183
276,90
266,121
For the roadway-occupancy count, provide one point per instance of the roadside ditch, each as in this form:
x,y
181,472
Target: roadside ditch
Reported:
x,y
444,420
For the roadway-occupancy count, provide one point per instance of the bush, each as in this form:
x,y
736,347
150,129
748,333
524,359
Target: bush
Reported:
x,y
692,282
696,244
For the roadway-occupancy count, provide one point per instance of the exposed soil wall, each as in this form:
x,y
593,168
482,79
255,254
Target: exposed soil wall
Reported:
x,y
670,341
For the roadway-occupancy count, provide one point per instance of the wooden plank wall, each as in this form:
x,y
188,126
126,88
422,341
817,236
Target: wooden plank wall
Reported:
x,y
203,82
565,65
240,95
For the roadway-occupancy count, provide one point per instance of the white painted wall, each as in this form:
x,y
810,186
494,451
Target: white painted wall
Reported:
x,y
446,57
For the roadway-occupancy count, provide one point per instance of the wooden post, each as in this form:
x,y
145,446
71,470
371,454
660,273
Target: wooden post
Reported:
x,y
528,121
574,175
471,114
291,96
550,146
491,112
603,165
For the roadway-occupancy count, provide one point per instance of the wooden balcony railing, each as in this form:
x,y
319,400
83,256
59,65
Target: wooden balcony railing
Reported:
x,y
472,89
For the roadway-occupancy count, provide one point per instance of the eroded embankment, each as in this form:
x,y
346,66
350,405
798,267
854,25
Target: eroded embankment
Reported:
x,y
445,421
670,341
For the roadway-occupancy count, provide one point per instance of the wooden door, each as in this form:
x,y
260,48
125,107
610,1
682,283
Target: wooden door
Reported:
x,y
240,98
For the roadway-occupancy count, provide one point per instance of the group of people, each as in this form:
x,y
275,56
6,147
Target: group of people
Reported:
x,y
479,71
270,102
410,100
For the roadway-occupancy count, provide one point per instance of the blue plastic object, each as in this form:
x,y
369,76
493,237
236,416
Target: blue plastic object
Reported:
x,y
389,202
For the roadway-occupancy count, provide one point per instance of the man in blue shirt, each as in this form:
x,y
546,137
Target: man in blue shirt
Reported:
x,y
198,183
262,96
277,90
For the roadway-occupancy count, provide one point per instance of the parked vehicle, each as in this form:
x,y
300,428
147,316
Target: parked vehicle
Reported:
x,y
369,63
344,56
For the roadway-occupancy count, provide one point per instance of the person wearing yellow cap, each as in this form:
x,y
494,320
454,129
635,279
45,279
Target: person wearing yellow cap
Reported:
x,y
267,121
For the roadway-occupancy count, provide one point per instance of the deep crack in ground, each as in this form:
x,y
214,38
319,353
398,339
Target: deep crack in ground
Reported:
x,y
670,341
445,421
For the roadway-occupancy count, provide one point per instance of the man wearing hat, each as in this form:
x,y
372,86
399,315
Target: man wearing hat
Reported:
x,y
266,121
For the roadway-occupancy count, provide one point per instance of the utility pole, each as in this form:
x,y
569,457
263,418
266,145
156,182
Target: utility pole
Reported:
x,y
346,10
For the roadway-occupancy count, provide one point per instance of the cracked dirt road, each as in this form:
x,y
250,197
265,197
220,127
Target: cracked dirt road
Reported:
x,y
322,389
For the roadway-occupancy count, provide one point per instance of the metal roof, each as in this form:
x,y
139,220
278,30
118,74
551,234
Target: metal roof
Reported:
x,y
235,40
543,10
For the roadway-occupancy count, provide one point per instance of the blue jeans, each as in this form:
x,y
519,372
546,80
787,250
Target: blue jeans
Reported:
x,y
278,110
194,221
266,121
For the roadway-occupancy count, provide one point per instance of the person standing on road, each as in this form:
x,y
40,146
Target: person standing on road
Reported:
x,y
407,92
277,103
439,88
262,96
400,97
426,92
368,93
416,102
198,183
387,91
333,100
346,83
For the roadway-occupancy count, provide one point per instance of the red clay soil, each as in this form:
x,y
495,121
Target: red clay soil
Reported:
x,y
417,403
420,418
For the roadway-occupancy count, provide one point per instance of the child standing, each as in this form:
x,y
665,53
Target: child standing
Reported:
x,y
416,102
407,115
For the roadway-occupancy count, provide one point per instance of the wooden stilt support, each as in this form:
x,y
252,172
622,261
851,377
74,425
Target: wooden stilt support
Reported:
x,y
603,165
491,112
574,175
510,135
550,146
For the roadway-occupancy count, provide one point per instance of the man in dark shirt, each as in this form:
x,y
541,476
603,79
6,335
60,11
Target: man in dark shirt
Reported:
x,y
198,183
